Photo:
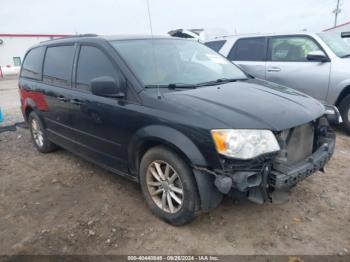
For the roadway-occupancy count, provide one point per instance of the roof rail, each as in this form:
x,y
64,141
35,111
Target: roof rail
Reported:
x,y
246,34
71,36
87,35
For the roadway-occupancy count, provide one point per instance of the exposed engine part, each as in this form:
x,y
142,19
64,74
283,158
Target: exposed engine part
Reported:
x,y
223,183
285,174
279,196
242,181
304,150
260,193
296,144
256,195
245,180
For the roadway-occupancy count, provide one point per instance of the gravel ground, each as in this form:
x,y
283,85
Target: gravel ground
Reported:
x,y
60,204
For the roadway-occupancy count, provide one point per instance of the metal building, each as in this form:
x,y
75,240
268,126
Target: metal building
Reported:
x,y
14,46
342,28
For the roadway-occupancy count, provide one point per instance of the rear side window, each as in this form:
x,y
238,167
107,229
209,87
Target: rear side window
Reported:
x,y
32,64
92,63
249,49
215,45
292,48
58,65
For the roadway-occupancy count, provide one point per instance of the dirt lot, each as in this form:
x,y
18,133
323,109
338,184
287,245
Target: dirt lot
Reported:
x,y
60,204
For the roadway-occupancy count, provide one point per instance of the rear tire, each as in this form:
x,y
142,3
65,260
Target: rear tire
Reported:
x,y
39,134
165,178
344,108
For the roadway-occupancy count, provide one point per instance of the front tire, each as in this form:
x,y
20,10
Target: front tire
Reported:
x,y
168,186
344,108
39,135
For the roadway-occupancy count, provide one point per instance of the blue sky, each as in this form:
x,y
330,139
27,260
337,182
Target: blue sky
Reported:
x,y
130,16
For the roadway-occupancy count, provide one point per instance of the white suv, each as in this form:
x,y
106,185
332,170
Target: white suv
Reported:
x,y
315,64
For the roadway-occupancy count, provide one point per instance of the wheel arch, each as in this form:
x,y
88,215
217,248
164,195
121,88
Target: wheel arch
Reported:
x,y
152,136
27,111
29,105
345,92
155,135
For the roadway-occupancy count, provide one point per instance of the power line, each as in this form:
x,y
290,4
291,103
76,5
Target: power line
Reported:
x,y
336,11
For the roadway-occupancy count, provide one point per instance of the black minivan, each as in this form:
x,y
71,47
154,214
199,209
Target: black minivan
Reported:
x,y
175,116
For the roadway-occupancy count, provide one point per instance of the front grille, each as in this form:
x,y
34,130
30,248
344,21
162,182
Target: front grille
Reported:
x,y
297,142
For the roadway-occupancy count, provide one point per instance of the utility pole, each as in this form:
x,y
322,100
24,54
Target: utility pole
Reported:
x,y
336,12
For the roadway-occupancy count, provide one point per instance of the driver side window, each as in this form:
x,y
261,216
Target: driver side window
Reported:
x,y
92,63
291,49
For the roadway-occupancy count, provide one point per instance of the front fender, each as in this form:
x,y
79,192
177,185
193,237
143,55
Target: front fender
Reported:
x,y
210,197
167,136
335,93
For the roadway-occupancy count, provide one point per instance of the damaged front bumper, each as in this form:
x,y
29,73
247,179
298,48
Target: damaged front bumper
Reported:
x,y
260,179
287,176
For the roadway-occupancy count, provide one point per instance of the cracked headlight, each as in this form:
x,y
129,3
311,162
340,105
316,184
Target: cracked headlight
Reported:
x,y
244,143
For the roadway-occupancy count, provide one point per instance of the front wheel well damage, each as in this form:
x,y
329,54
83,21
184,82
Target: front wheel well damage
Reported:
x,y
209,196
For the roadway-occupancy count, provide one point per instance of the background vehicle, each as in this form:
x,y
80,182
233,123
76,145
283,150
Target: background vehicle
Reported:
x,y
174,116
315,64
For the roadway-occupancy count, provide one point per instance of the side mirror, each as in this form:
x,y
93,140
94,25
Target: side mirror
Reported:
x,y
318,56
345,34
106,86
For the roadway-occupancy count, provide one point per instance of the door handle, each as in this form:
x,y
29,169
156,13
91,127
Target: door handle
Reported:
x,y
273,69
77,102
62,99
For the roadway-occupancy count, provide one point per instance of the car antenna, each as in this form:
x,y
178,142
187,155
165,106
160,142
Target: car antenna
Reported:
x,y
154,55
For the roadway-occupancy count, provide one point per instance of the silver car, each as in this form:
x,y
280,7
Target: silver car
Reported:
x,y
315,64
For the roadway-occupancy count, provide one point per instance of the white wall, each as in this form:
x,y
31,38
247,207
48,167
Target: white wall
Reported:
x,y
9,71
16,46
344,28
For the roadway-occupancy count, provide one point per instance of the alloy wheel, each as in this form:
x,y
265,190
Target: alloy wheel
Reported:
x,y
165,186
37,133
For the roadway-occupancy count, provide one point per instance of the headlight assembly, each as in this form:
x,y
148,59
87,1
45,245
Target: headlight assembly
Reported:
x,y
244,143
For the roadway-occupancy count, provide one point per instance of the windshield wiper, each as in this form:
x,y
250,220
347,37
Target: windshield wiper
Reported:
x,y
172,86
344,56
220,81
209,83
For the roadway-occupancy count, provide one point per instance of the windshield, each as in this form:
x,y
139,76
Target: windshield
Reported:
x,y
336,43
161,62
